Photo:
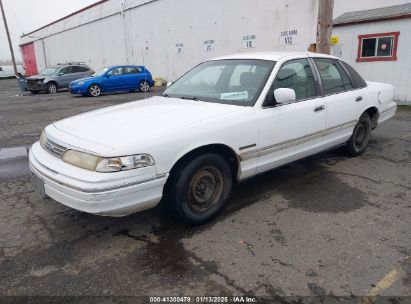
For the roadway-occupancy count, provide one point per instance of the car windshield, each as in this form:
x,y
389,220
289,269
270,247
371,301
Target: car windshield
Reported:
x,y
231,81
49,71
100,72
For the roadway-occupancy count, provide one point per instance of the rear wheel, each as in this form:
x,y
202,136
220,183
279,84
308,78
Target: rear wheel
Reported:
x,y
199,190
144,86
360,138
94,90
51,88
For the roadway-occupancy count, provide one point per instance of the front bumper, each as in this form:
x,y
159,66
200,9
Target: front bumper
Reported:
x,y
110,198
78,89
35,86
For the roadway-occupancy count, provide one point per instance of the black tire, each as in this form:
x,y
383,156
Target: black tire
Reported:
x,y
144,86
51,88
94,90
360,138
199,190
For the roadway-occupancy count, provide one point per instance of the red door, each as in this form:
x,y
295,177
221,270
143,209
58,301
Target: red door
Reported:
x,y
29,58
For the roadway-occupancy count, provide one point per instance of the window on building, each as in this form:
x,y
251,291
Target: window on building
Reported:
x,y
378,47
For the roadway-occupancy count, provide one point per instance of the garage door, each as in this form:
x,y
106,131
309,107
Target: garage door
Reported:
x,y
29,59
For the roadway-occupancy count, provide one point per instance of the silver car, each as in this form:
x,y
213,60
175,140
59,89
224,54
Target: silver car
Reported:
x,y
53,78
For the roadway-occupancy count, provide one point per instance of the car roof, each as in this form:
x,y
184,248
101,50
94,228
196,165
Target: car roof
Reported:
x,y
66,65
273,56
124,65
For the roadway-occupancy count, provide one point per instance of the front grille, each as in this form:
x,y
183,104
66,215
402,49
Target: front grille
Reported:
x,y
53,148
32,84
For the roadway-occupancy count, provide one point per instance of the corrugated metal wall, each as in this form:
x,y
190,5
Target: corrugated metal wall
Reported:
x,y
398,73
171,36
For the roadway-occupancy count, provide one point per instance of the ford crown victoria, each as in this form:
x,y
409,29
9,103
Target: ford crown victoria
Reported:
x,y
226,120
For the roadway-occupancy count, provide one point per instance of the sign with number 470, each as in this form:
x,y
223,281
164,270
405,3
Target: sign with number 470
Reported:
x,y
288,38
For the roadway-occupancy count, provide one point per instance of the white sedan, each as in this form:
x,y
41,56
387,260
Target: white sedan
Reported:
x,y
226,120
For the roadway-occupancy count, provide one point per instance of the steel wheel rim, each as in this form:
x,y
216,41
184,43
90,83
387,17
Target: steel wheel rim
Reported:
x,y
205,189
144,86
52,89
360,136
95,90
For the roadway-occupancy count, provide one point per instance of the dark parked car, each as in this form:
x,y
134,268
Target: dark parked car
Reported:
x,y
114,79
53,78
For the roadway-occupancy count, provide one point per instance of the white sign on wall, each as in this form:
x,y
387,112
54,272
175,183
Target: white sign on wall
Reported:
x,y
289,37
249,41
209,45
180,48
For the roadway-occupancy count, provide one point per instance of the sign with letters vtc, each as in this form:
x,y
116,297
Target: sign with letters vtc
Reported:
x,y
249,41
288,37
180,48
209,45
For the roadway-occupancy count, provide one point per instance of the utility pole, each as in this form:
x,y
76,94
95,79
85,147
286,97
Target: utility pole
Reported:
x,y
324,26
8,37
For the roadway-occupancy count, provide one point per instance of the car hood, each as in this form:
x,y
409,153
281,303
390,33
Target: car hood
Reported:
x,y
140,121
35,77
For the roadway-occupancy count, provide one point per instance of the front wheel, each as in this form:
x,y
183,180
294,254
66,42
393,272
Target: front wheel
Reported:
x,y
361,136
51,88
144,86
94,90
199,190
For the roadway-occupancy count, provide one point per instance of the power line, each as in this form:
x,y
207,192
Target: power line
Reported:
x,y
8,38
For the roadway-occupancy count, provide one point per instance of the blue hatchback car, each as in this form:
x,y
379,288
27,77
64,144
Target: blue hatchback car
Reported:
x,y
114,79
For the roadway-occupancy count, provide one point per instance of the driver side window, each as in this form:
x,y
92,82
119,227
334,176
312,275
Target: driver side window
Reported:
x,y
66,70
116,72
297,75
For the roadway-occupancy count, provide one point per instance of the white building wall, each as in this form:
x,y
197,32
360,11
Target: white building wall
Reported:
x,y
398,73
163,24
144,31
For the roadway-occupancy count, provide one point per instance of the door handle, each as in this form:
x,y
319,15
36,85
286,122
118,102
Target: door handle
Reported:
x,y
358,99
319,108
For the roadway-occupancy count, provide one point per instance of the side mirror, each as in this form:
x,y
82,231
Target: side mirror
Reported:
x,y
169,84
283,95
107,76
60,74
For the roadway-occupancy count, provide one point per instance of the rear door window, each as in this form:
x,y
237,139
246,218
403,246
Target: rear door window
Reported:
x,y
76,69
331,78
131,70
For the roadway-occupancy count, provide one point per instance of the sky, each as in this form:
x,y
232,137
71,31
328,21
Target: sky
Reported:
x,y
24,16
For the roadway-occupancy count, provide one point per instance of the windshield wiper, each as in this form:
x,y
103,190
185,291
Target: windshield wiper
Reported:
x,y
165,95
190,98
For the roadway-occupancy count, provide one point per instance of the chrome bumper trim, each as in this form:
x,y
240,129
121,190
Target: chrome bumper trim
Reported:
x,y
97,190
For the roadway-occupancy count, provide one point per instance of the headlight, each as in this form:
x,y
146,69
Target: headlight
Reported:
x,y
81,159
125,163
100,164
80,82
42,138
